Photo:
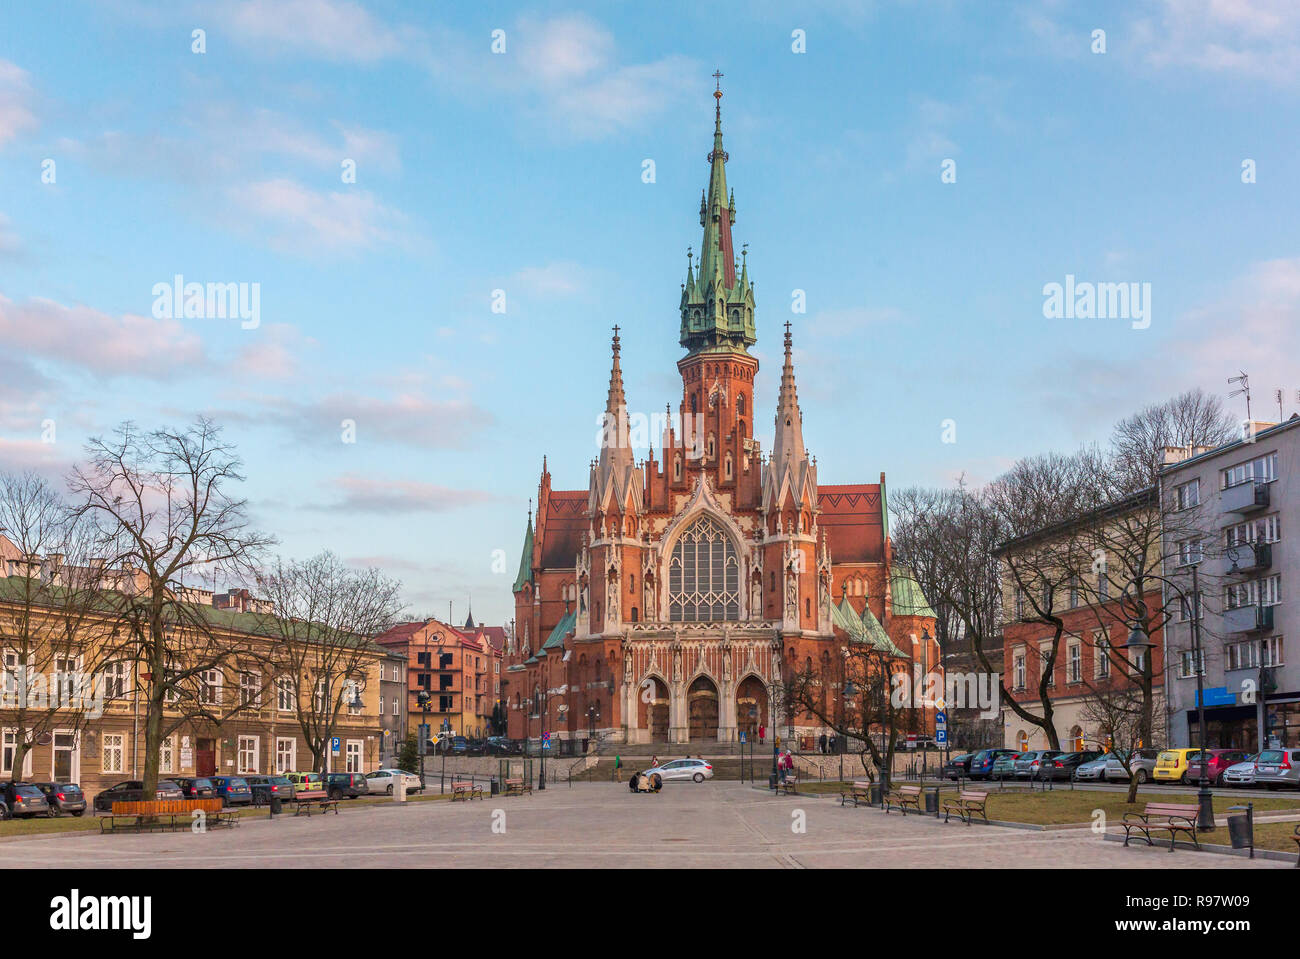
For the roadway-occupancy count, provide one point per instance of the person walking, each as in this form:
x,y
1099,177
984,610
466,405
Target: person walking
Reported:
x,y
618,768
821,744
762,734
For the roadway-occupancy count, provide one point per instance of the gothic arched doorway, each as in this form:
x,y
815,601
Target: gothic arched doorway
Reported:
x,y
702,702
751,706
654,708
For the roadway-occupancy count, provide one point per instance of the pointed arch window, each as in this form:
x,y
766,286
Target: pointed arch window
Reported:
x,y
704,575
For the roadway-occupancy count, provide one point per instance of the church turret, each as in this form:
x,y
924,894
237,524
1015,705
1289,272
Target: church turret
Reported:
x,y
790,483
717,311
616,483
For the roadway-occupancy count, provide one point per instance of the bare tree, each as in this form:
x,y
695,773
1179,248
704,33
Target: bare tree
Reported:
x,y
323,617
162,503
1118,713
52,631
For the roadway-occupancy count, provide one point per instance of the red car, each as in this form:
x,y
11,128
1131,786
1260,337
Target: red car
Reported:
x,y
1217,763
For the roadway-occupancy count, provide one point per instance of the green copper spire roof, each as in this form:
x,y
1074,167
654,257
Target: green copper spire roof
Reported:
x,y
907,597
717,306
566,623
864,629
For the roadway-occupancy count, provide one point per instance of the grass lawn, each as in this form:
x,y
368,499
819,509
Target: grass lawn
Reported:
x,y
39,825
1065,806
1268,835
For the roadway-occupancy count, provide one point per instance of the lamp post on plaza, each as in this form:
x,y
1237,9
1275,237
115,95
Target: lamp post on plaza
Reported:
x,y
423,699
593,717
1138,639
846,696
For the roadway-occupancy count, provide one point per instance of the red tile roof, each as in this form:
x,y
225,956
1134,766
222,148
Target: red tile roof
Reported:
x,y
850,515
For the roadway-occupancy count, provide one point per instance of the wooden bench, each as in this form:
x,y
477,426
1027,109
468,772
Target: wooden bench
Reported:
x,y
967,803
517,787
855,793
465,790
305,802
1172,818
148,815
905,797
790,785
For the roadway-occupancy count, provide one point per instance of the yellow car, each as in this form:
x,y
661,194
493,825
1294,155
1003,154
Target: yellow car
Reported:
x,y
1173,764
306,782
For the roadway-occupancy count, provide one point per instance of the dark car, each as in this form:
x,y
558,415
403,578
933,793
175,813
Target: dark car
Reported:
x,y
958,767
981,764
132,790
24,799
232,790
64,797
477,747
459,745
501,746
198,788
346,785
1061,767
264,787
1028,765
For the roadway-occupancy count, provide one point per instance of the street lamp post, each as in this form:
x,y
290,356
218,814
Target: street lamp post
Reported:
x,y
845,700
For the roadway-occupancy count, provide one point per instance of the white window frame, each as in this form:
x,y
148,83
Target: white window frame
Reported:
x,y
1074,662
250,694
284,694
167,755
281,753
1101,654
113,744
1187,495
55,749
245,747
1018,669
210,684
354,749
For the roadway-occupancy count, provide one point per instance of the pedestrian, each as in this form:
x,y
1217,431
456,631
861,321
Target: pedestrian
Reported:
x,y
831,743
654,761
762,734
821,744
618,768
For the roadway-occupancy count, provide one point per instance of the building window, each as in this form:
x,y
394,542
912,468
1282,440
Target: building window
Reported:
x,y
247,755
114,753
397,705
353,756
1266,529
1102,645
1074,663
284,697
167,755
381,704
1189,663
1189,552
250,693
1018,669
210,687
286,754
1262,469
115,681
1187,495
1185,604
704,575
1044,652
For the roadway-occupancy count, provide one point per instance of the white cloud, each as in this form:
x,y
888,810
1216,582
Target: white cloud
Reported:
x,y
366,494
331,29
1251,38
301,218
15,102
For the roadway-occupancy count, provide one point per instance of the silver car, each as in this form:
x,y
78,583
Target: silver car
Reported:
x,y
1093,771
1240,774
1278,767
679,770
1143,764
1028,764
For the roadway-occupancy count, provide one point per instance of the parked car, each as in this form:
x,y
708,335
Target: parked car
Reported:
x,y
458,746
1028,764
382,781
981,764
1172,765
346,785
264,787
1216,762
1004,766
477,747
307,782
132,790
680,770
24,799
64,797
1278,767
1061,767
232,790
1240,774
1143,765
199,787
501,746
1092,771
958,767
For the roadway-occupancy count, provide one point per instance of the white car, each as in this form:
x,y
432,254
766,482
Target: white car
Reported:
x,y
381,781
678,770
1240,774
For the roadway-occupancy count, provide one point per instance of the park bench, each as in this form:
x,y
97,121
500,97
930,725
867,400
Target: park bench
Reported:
x,y
967,803
465,790
790,785
161,814
907,796
517,787
305,802
1172,818
855,793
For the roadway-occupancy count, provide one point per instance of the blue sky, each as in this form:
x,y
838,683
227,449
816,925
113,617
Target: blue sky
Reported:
x,y
521,171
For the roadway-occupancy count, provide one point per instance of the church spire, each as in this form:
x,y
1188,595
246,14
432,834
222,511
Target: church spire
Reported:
x,y
789,470
717,311
615,470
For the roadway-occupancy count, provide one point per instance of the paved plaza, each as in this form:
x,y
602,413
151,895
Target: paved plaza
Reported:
x,y
717,824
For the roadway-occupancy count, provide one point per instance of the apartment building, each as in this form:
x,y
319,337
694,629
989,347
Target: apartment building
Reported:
x,y
393,705
1245,496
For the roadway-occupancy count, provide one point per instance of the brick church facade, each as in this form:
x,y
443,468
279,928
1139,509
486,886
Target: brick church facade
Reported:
x,y
665,601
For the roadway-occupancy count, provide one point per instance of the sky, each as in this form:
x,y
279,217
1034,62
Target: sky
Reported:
x,y
443,208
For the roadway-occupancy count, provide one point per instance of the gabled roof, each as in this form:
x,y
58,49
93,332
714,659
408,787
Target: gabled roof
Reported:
x,y
850,515
525,557
864,629
907,597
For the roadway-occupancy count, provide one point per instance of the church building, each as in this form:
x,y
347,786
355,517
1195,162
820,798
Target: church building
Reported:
x,y
666,600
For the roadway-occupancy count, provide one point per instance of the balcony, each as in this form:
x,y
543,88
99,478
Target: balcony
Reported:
x,y
1248,619
1244,498
1249,558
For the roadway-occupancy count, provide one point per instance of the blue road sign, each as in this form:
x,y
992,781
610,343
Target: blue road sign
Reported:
x,y
941,718
743,737
334,744
941,737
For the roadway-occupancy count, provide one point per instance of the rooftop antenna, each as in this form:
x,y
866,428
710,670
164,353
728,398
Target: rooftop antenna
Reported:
x,y
1244,380
1280,414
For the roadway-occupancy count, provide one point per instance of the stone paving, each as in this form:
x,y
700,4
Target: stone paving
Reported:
x,y
715,824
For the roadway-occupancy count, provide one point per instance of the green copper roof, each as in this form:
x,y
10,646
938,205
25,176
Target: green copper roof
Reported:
x,y
717,305
906,594
556,639
525,558
864,629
